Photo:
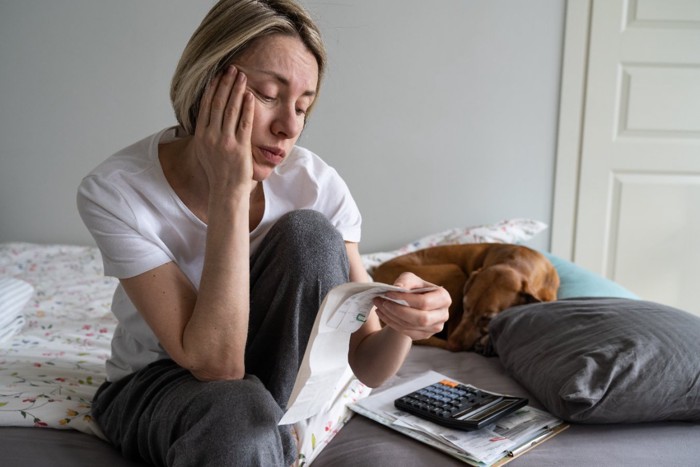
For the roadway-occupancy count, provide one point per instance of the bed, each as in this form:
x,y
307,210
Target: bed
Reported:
x,y
56,329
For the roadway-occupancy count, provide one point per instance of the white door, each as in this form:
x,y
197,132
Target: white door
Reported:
x,y
634,214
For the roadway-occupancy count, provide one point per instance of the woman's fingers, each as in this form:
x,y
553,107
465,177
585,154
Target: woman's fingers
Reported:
x,y
232,111
205,103
225,106
408,280
425,314
220,99
245,123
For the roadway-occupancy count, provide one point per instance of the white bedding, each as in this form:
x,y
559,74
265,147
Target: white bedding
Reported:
x,y
51,369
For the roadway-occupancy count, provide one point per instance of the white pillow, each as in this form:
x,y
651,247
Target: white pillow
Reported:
x,y
14,295
507,231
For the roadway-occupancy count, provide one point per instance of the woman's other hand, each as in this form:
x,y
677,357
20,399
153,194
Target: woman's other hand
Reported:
x,y
222,138
425,314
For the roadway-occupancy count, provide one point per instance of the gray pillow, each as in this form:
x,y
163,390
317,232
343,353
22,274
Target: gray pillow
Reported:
x,y
604,360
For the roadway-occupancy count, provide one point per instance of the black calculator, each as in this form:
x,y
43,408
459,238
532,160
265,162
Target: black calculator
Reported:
x,y
458,406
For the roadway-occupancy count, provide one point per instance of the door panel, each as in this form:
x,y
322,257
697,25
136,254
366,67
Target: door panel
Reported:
x,y
638,200
657,225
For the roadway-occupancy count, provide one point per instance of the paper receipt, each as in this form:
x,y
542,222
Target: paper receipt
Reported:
x,y
353,310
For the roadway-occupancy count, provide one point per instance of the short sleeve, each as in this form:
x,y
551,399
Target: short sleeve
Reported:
x,y
126,252
341,208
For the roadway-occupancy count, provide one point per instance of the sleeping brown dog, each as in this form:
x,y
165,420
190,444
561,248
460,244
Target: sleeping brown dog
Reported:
x,y
482,279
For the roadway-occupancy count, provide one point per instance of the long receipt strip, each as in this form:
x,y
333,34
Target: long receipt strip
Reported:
x,y
325,363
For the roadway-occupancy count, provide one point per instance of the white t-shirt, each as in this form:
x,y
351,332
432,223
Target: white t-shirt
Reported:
x,y
139,223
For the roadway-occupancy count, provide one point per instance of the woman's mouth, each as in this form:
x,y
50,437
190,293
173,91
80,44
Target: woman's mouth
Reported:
x,y
273,155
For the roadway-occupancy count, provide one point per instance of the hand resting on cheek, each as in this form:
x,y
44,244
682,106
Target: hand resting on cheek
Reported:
x,y
222,138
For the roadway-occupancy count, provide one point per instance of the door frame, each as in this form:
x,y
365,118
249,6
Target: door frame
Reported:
x,y
570,127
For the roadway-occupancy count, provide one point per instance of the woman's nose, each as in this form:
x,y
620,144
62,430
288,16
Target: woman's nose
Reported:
x,y
287,123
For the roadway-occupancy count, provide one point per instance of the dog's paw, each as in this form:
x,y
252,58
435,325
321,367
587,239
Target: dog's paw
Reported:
x,y
485,347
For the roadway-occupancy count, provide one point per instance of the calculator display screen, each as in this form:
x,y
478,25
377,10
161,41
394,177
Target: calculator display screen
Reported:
x,y
487,411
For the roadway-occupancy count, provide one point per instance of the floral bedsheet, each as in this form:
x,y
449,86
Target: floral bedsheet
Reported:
x,y
52,368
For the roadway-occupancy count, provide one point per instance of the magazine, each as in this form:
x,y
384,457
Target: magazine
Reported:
x,y
495,444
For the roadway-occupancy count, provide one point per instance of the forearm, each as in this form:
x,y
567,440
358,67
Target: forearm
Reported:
x,y
214,338
379,356
376,353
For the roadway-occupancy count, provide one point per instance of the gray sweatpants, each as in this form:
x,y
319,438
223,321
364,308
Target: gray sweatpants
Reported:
x,y
163,415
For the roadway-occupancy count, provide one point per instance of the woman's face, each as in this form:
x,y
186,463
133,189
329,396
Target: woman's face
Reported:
x,y
282,76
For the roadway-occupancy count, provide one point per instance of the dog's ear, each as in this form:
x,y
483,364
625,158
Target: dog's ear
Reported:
x,y
470,280
544,293
525,296
552,282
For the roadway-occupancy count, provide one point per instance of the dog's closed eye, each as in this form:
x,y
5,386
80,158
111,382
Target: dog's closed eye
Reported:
x,y
483,323
528,298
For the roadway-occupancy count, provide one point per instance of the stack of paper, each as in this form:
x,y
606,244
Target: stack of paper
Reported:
x,y
493,445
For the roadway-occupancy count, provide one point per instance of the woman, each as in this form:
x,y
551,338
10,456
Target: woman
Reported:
x,y
226,237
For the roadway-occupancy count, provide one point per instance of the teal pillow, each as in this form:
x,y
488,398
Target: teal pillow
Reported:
x,y
575,281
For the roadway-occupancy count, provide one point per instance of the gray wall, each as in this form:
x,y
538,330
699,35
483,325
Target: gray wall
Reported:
x,y
437,114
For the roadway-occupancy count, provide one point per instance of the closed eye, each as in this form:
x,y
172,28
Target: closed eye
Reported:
x,y
262,97
269,99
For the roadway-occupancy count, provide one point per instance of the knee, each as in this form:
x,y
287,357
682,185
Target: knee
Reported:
x,y
246,400
235,421
310,236
307,224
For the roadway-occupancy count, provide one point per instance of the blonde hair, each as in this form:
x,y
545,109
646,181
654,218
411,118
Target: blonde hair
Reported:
x,y
227,30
